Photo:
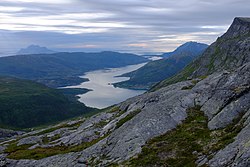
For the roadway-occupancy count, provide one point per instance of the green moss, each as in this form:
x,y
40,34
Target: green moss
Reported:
x,y
22,152
203,77
97,133
47,139
181,76
187,87
225,136
101,124
181,146
195,81
13,147
127,118
114,109
37,153
48,130
175,147
210,66
117,111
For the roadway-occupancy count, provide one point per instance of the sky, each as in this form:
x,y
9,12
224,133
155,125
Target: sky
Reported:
x,y
135,26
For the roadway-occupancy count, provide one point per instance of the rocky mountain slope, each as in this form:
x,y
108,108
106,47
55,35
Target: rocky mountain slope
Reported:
x,y
230,51
155,71
203,121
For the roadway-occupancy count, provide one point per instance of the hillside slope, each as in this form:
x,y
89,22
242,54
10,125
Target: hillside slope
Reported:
x,y
26,104
229,52
156,71
63,69
199,122
205,123
188,49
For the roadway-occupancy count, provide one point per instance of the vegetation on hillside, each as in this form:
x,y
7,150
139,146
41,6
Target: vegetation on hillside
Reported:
x,y
26,104
63,69
229,52
184,145
155,71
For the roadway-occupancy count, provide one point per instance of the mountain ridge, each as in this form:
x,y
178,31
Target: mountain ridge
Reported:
x,y
63,69
191,48
236,41
202,121
155,71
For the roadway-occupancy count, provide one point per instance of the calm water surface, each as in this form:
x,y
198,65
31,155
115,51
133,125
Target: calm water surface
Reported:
x,y
103,93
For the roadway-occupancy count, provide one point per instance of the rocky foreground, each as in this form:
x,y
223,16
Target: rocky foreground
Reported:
x,y
204,121
119,133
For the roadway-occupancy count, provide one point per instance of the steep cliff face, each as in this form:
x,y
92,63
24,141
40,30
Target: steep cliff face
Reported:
x,y
239,28
229,52
200,122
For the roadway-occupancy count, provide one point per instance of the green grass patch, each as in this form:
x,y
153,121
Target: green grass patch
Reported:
x,y
101,124
181,76
13,147
22,152
203,77
176,148
48,130
187,87
47,139
127,118
226,136
114,109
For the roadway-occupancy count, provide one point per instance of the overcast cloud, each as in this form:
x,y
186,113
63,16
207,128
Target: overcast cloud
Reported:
x,y
138,26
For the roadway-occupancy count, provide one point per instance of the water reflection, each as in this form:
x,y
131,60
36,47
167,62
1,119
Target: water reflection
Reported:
x,y
103,93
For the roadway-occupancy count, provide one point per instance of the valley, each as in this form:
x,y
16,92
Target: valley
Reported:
x,y
28,86
102,93
170,64
63,69
156,99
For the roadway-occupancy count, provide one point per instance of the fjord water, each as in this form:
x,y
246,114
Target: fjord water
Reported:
x,y
103,93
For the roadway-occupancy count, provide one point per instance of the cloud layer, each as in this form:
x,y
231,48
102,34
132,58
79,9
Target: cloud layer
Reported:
x,y
123,25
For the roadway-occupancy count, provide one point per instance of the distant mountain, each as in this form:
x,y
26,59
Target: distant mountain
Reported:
x,y
229,52
63,69
35,49
156,71
26,104
188,49
203,121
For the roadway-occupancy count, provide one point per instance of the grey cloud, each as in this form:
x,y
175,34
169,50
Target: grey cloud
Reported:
x,y
144,22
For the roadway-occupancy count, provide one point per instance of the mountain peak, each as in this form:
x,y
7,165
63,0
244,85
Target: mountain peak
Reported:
x,y
193,44
228,52
35,49
244,19
189,48
239,27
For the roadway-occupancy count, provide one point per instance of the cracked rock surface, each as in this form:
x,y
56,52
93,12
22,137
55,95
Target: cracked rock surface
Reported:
x,y
222,97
